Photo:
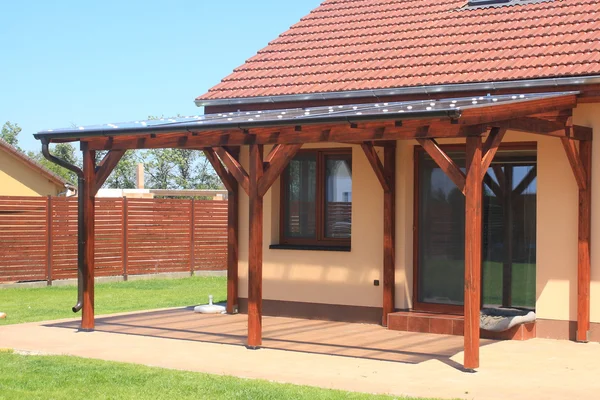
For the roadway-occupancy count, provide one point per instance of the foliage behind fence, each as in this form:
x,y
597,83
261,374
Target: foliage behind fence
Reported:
x,y
38,237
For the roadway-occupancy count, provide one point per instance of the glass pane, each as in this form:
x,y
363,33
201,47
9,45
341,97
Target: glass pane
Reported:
x,y
300,197
338,196
508,237
441,234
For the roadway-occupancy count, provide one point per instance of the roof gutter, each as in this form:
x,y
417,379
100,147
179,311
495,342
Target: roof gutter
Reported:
x,y
411,90
80,221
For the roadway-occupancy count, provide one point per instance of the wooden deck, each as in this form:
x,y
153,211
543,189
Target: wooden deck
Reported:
x,y
301,335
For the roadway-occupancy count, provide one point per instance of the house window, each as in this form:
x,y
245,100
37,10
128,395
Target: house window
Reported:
x,y
316,199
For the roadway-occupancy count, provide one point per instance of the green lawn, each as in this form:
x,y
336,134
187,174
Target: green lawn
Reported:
x,y
60,377
40,304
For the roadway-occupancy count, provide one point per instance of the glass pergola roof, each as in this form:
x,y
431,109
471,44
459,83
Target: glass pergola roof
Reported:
x,y
351,113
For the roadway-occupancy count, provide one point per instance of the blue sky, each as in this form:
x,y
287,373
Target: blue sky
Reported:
x,y
88,62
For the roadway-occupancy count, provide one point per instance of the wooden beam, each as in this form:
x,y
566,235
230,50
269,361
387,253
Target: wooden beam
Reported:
x,y
255,249
389,232
473,224
106,166
276,163
379,131
583,249
444,162
575,161
490,148
234,167
88,193
226,177
504,112
376,165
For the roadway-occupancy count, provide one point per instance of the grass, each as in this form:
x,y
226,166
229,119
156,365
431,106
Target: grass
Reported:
x,y
60,377
48,303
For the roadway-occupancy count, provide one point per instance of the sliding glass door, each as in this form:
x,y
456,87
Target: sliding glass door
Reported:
x,y
508,233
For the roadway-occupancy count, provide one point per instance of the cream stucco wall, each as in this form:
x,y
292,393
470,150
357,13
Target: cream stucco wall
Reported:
x,y
347,277
19,179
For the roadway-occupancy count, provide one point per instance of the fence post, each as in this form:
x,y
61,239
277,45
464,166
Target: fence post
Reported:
x,y
192,239
124,237
49,239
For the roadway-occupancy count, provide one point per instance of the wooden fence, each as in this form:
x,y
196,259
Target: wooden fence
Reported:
x,y
38,237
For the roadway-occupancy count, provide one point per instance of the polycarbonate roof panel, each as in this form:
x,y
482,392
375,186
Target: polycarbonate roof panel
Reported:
x,y
351,113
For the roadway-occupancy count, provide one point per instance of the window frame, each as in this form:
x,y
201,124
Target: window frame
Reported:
x,y
320,203
418,150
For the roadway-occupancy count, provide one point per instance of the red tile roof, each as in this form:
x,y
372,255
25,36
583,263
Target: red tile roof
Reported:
x,y
346,45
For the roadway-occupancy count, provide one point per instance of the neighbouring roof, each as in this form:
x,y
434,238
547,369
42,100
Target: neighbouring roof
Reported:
x,y
450,108
355,45
31,163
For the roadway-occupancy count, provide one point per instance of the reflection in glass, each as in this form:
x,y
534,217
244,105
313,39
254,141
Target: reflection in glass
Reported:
x,y
508,236
301,193
338,197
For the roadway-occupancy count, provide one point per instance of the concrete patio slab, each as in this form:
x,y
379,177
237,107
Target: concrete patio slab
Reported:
x,y
354,357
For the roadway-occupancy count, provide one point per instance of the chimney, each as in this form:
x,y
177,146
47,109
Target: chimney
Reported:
x,y
139,176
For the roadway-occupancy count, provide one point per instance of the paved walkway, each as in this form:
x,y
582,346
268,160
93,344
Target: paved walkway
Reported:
x,y
543,369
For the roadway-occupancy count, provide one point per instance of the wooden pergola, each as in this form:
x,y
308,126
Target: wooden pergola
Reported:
x,y
546,114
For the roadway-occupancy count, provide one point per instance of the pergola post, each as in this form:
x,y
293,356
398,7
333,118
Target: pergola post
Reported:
x,y
255,250
581,164
386,174
473,223
231,184
89,195
583,252
389,232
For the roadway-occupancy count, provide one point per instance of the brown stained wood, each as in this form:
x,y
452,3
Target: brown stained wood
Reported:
x,y
49,239
255,249
503,112
583,249
380,131
473,224
490,148
234,168
389,232
232,250
88,193
445,163
276,163
376,165
106,166
228,180
575,162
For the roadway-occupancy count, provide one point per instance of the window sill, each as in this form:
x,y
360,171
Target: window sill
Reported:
x,y
308,247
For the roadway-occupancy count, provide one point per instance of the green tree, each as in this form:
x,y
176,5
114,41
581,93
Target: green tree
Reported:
x,y
64,151
123,176
10,133
161,169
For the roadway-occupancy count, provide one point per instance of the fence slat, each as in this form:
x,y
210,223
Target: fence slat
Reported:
x,y
38,237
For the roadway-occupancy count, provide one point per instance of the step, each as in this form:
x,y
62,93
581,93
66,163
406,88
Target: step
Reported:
x,y
450,324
